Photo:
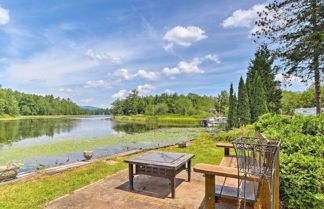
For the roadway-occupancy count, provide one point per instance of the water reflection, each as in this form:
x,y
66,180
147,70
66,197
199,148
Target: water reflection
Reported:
x,y
130,128
27,131
15,130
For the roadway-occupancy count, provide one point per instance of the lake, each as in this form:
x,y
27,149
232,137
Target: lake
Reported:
x,y
37,143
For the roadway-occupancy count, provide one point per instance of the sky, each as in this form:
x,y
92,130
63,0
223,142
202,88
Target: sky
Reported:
x,y
96,51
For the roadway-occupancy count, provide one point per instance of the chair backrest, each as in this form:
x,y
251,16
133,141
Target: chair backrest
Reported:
x,y
258,157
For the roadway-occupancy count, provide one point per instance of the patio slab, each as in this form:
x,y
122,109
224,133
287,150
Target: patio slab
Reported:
x,y
149,193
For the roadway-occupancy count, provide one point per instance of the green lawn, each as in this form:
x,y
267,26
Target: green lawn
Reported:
x,y
37,191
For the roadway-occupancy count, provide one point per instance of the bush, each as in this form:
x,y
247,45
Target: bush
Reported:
x,y
301,181
301,162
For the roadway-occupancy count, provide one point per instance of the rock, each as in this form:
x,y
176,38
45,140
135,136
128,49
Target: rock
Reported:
x,y
8,172
88,154
183,145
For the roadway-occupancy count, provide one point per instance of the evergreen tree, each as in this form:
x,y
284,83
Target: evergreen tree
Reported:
x,y
236,121
232,109
258,100
262,65
243,106
294,28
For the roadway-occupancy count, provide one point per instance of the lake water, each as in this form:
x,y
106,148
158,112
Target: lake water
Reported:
x,y
18,134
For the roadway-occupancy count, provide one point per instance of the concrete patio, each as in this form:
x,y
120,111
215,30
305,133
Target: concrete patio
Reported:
x,y
149,193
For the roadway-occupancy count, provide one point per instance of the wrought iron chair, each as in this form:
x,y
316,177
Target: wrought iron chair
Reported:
x,y
256,157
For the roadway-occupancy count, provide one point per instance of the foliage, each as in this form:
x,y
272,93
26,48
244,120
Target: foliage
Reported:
x,y
258,100
37,191
301,161
258,95
243,107
263,90
233,134
232,112
167,119
291,100
294,28
15,103
191,104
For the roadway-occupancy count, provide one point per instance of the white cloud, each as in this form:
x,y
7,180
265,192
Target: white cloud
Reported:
x,y
145,89
290,79
119,94
183,36
103,56
168,47
244,18
4,16
86,101
213,57
170,71
67,90
184,67
152,76
168,91
97,84
190,67
125,75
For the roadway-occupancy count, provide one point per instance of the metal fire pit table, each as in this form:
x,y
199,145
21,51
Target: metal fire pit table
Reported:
x,y
160,164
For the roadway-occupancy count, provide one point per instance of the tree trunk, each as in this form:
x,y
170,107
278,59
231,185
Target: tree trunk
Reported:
x,y
316,60
317,87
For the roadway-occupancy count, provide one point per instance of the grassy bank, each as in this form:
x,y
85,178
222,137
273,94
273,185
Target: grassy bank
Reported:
x,y
159,136
37,191
9,117
171,119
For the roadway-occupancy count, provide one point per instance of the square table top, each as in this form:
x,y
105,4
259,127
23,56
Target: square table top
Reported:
x,y
161,159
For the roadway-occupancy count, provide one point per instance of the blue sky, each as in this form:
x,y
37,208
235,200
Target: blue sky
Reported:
x,y
95,51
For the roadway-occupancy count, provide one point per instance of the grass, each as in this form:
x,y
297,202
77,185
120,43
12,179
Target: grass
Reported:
x,y
159,136
171,119
36,192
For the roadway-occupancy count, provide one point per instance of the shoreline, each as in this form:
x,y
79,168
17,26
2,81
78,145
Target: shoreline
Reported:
x,y
61,168
24,117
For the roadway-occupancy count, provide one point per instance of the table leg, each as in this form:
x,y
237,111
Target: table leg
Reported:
x,y
173,184
189,170
131,177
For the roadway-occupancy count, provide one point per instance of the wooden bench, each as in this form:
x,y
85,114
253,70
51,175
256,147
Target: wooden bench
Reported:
x,y
223,189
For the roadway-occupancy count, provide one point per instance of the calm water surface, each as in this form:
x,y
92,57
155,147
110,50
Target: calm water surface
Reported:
x,y
29,132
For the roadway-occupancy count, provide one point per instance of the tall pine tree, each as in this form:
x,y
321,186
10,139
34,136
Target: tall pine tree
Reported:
x,y
243,106
294,29
262,65
232,109
258,100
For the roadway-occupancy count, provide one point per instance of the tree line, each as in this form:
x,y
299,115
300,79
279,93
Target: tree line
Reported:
x,y
258,94
15,103
191,104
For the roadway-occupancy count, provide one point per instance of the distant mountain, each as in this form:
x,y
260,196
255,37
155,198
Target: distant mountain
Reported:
x,y
89,108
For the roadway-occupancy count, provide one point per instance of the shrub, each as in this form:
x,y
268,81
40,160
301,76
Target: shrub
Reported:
x,y
301,162
301,181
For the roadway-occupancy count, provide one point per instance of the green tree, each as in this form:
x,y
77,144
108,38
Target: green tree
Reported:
x,y
243,106
294,28
258,100
262,65
231,117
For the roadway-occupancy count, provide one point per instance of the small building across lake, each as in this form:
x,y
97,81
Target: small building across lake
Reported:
x,y
213,121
